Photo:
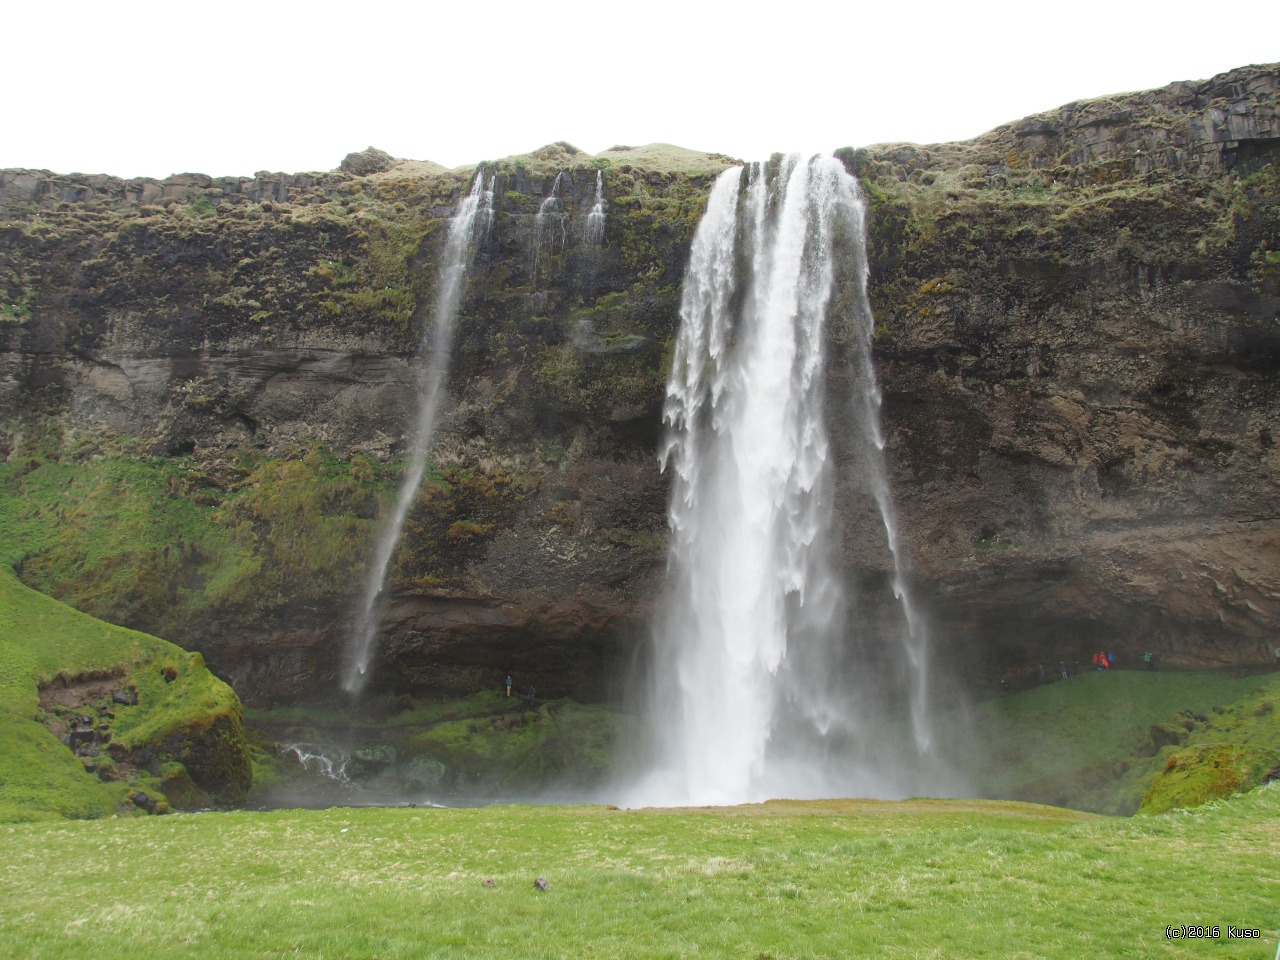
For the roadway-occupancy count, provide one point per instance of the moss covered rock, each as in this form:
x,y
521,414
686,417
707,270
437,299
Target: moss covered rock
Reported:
x,y
88,708
1200,774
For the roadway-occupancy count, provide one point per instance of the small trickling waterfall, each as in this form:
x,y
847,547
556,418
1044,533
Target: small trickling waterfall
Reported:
x,y
321,759
594,232
756,691
470,224
550,226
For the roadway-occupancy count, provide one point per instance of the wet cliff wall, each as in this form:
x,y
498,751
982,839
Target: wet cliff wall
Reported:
x,y
205,386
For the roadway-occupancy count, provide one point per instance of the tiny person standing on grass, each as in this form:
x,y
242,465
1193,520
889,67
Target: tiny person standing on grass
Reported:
x,y
508,685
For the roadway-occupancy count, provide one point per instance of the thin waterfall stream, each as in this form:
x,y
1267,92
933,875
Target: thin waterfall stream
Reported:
x,y
594,232
472,220
551,217
755,693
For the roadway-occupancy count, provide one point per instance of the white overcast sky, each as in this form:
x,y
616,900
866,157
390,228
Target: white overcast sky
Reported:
x,y
152,88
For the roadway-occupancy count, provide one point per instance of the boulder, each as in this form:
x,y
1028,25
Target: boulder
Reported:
x,y
367,161
376,757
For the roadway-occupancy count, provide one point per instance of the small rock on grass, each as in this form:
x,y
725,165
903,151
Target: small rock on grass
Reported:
x,y
541,884
488,882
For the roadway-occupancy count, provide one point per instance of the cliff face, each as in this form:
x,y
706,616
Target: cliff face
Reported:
x,y
1077,341
1082,316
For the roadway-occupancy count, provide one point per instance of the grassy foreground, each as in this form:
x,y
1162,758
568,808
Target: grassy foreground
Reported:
x,y
783,880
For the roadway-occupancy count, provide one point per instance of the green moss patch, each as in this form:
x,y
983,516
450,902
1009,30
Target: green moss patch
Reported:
x,y
166,544
1196,776
179,711
526,749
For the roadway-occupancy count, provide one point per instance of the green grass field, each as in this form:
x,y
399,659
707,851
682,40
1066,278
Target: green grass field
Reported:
x,y
782,880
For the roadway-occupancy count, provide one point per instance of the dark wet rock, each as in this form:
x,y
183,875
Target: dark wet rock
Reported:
x,y
81,735
1168,734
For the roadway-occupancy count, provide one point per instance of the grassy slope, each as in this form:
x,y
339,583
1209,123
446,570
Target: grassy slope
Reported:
x,y
651,158
41,638
1086,741
844,878
108,513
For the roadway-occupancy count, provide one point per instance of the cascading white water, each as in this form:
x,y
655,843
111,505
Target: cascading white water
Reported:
x,y
749,652
321,759
551,220
470,223
594,232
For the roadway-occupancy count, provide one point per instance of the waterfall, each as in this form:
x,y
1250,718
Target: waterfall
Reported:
x,y
470,224
755,694
595,219
551,216
321,759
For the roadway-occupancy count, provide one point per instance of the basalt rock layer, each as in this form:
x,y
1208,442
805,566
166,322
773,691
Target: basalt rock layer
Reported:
x,y
1077,338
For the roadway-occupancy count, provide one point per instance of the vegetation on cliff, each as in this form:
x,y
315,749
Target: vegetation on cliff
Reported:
x,y
159,544
141,714
195,517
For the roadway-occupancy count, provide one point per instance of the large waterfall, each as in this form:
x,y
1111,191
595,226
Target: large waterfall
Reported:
x,y
761,685
469,224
